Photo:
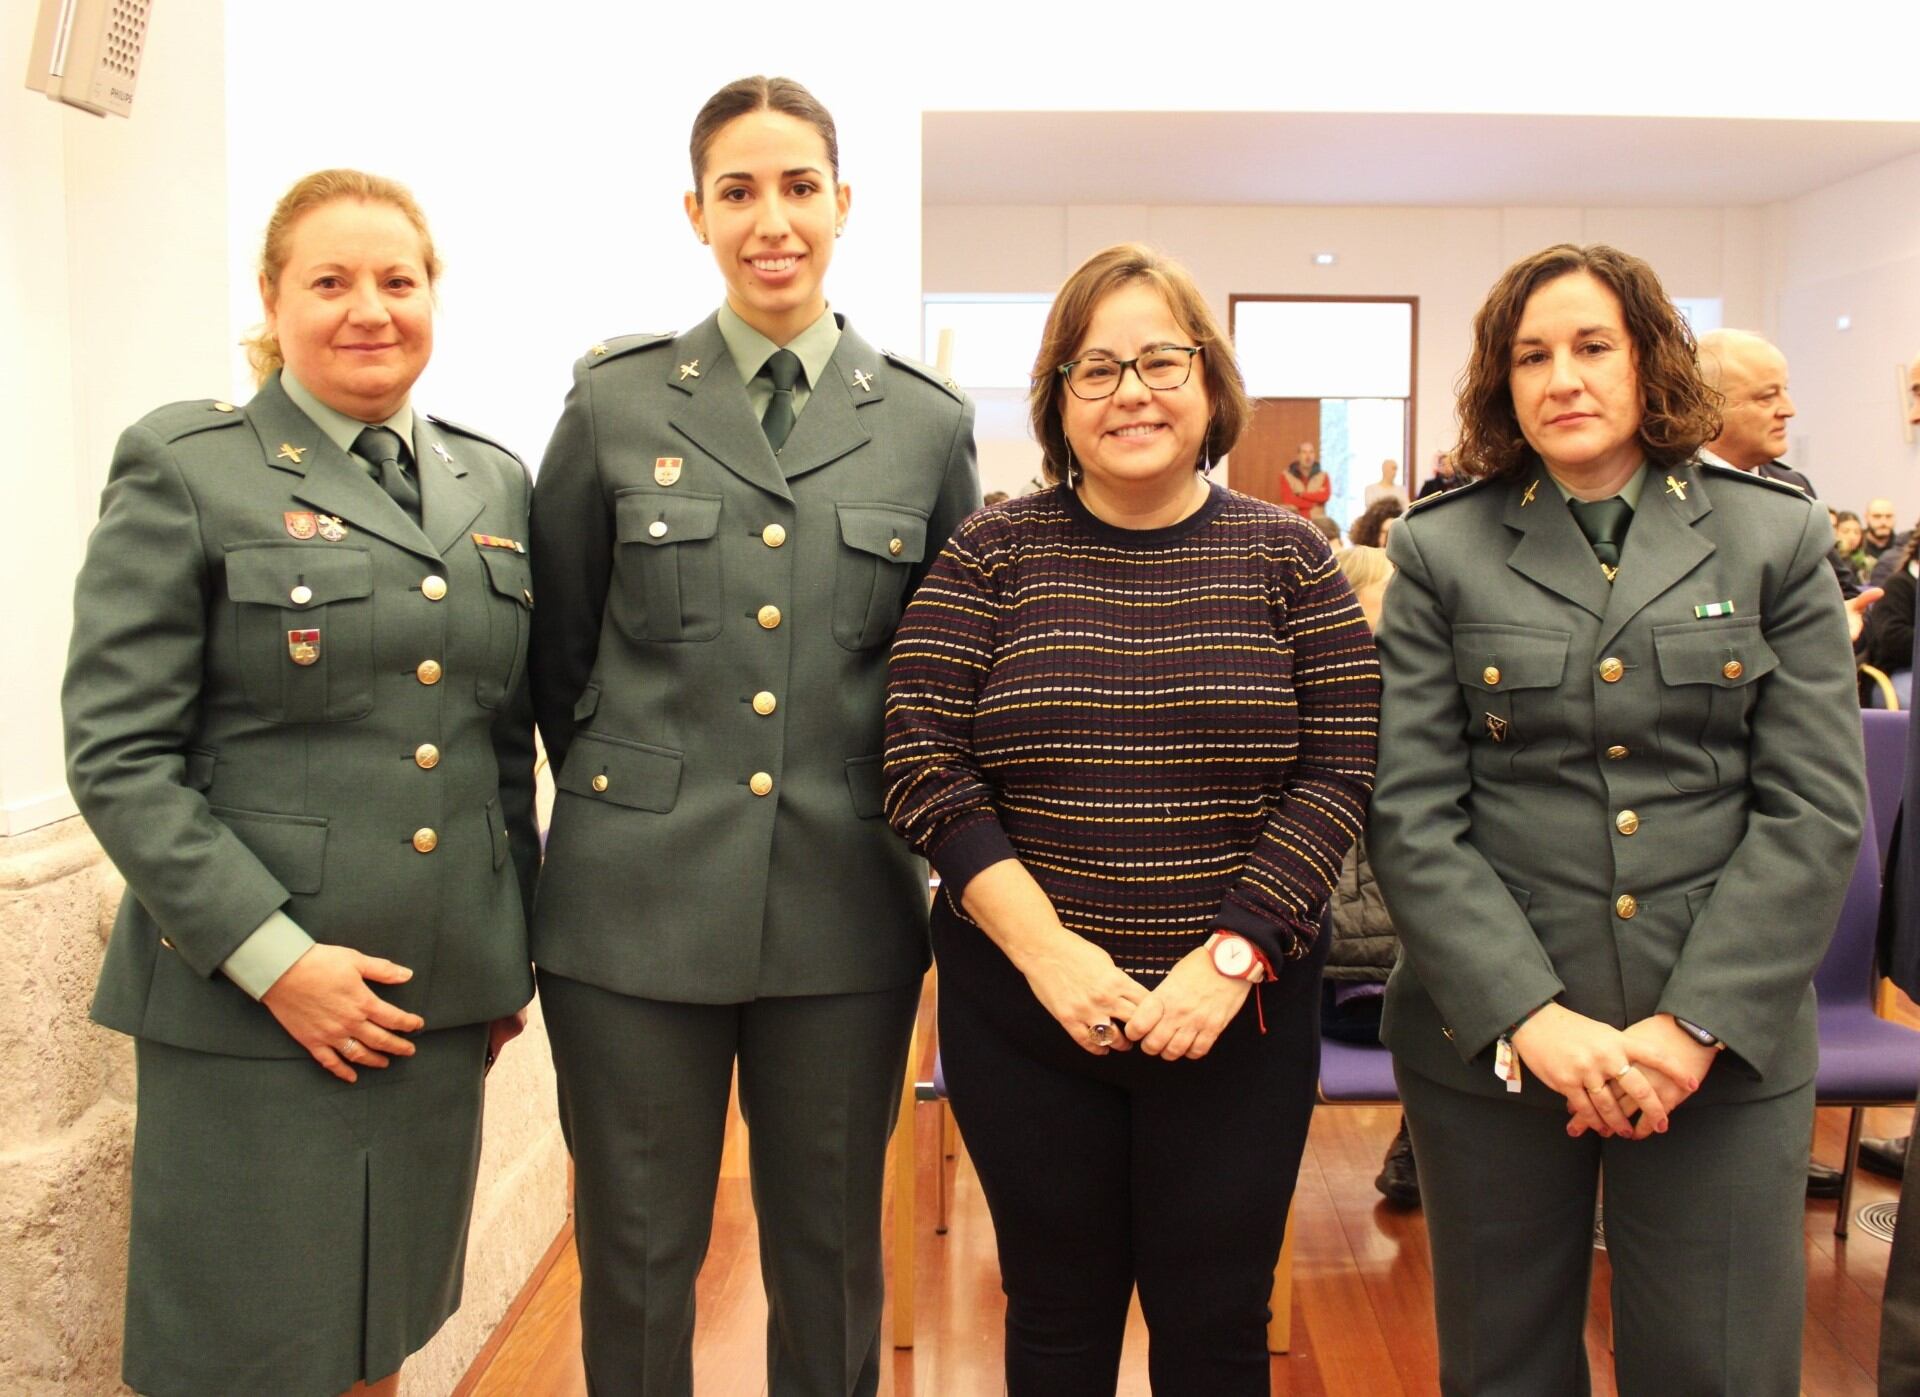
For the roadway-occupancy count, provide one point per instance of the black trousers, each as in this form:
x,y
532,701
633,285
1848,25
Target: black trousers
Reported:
x,y
1103,1173
643,1103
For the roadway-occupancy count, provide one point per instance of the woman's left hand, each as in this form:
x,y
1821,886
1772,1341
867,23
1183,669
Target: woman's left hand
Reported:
x,y
1187,1011
501,1032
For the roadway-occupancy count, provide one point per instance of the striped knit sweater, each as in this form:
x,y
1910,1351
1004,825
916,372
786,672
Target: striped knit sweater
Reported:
x,y
1173,729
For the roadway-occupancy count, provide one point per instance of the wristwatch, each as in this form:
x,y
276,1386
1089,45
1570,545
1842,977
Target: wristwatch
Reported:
x,y
1697,1033
1233,956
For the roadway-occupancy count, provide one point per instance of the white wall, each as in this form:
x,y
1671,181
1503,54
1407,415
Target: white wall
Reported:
x,y
1852,249
112,237
1448,257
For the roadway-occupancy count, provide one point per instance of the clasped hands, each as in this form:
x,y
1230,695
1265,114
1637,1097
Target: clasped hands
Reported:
x,y
1181,1017
1618,1082
326,1004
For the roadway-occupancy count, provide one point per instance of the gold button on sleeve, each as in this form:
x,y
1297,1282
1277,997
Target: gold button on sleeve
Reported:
x,y
426,756
764,703
433,587
599,783
1733,669
773,535
300,595
1626,822
1490,676
1616,752
1611,669
895,546
428,671
760,783
769,616
425,840
1625,906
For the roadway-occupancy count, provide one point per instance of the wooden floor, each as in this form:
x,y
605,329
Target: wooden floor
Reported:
x,y
1362,1323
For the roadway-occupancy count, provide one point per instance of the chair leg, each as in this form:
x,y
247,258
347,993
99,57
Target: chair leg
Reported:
x,y
943,1191
1855,1118
904,1158
1280,1301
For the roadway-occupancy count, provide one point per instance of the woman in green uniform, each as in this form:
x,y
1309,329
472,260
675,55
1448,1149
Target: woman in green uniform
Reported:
x,y
297,721
727,525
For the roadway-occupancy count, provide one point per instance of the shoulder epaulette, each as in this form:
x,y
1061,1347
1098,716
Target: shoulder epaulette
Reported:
x,y
1440,497
177,420
926,371
461,429
626,344
1720,472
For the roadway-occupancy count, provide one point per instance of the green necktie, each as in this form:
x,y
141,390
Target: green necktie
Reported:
x,y
784,369
382,447
1605,523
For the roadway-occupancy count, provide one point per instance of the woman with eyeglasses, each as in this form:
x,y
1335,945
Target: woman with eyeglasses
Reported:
x,y
727,524
1131,722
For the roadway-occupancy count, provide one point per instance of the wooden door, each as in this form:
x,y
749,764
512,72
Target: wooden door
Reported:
x,y
1271,440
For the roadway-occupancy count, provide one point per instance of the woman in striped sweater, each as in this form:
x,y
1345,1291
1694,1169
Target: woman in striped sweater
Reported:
x,y
1131,721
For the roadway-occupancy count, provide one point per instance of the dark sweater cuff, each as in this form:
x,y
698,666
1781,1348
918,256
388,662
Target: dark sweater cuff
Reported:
x,y
1276,941
979,843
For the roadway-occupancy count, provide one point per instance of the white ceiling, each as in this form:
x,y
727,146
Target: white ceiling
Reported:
x,y
1321,158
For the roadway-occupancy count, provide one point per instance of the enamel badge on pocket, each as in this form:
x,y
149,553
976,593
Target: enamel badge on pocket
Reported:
x,y
303,647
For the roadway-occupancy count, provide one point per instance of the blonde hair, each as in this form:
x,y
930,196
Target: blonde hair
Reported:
x,y
310,193
1363,566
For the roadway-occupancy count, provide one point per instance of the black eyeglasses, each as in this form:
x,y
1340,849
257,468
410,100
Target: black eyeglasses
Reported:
x,y
1162,368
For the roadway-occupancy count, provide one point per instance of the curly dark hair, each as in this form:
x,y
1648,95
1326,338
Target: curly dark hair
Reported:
x,y
1678,410
1365,532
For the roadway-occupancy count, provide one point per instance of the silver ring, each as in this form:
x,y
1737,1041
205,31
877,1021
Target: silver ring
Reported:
x,y
1623,1071
1102,1033
349,1047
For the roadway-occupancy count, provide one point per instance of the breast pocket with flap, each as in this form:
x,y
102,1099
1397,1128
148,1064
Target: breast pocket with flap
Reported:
x,y
303,629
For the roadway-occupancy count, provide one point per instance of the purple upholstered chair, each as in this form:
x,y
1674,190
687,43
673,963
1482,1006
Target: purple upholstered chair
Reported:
x,y
1865,1060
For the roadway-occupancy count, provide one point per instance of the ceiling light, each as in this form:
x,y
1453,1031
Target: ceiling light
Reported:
x,y
1845,322
1324,259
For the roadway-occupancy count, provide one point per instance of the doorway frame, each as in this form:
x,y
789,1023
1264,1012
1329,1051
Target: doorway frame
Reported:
x,y
1407,473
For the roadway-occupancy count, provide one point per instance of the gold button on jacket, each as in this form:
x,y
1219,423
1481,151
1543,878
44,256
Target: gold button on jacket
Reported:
x,y
1625,906
760,783
1626,822
433,587
764,703
769,616
312,781
426,840
1611,669
773,535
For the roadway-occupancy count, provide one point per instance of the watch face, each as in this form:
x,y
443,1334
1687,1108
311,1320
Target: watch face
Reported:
x,y
1232,956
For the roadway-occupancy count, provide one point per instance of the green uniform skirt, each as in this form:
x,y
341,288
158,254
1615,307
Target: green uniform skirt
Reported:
x,y
293,1233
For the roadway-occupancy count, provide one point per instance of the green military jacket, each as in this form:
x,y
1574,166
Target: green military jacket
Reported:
x,y
283,694
1637,797
709,666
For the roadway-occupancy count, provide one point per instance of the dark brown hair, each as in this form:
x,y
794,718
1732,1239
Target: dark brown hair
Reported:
x,y
759,94
1678,410
1365,532
1073,310
323,187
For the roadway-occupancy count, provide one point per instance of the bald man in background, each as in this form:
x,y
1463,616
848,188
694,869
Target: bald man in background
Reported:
x,y
1900,960
1751,374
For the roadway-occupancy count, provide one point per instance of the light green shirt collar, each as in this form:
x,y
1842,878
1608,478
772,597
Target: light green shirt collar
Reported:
x,y
339,428
1629,493
750,350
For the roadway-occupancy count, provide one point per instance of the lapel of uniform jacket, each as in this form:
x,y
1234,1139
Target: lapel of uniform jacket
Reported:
x,y
830,427
713,412
447,503
326,477
1552,550
1662,546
